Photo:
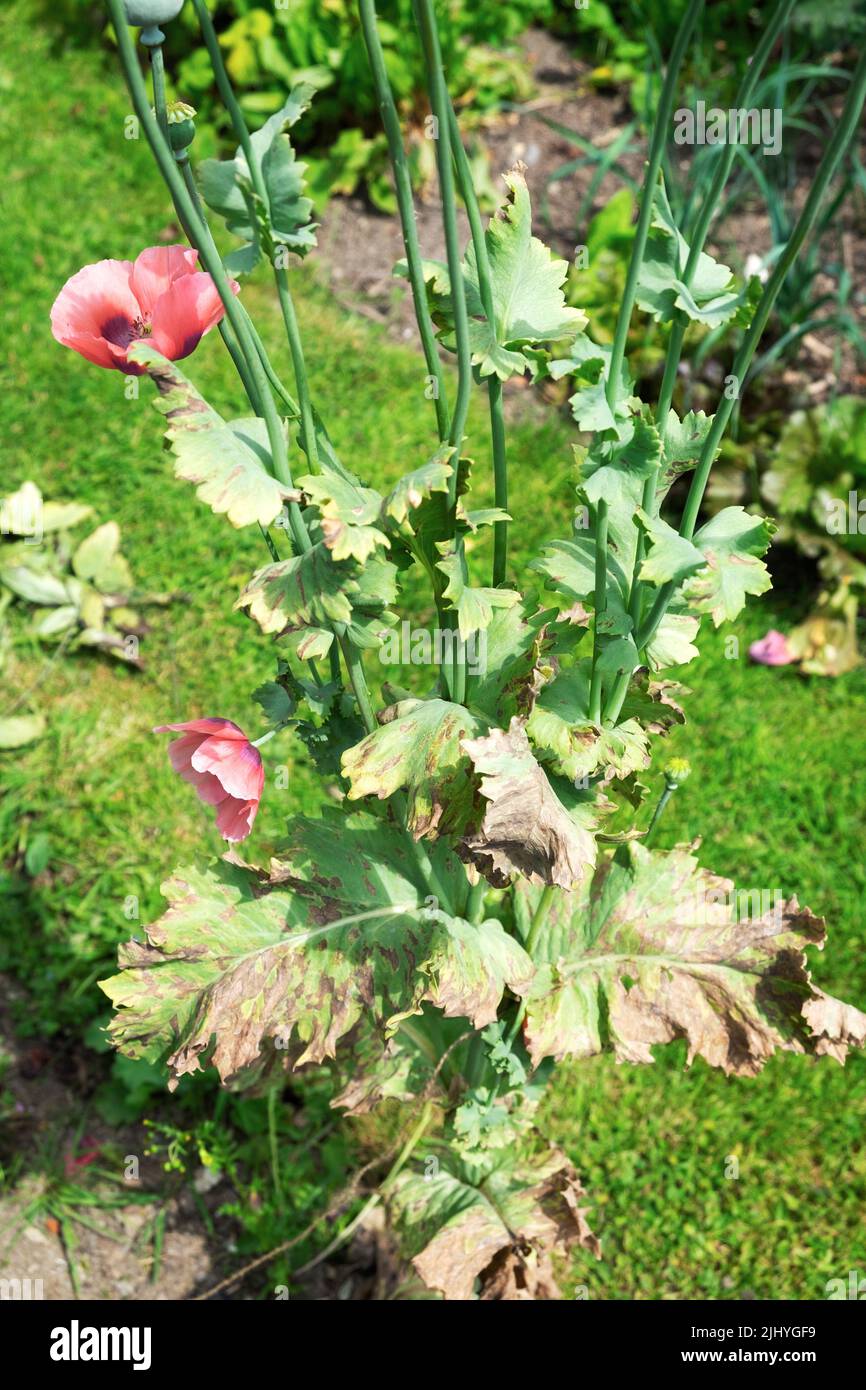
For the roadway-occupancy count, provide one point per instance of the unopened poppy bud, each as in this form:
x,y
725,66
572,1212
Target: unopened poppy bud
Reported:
x,y
676,771
141,14
181,124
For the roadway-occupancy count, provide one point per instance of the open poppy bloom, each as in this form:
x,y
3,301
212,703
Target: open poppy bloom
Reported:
x,y
217,758
772,650
161,297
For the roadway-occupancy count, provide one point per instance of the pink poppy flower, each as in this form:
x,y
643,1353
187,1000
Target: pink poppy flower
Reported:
x,y
772,650
217,758
161,297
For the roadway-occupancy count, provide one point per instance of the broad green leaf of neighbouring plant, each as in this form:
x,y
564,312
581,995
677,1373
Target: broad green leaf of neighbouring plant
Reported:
x,y
529,308
490,1233
655,948
99,561
341,931
17,730
229,461
282,221
523,828
26,513
418,750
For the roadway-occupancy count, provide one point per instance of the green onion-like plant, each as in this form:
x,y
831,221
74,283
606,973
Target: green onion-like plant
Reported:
x,y
473,911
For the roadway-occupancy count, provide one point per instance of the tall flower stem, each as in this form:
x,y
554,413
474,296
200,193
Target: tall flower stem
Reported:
x,y
657,149
406,205
600,607
494,385
845,130
696,245
439,101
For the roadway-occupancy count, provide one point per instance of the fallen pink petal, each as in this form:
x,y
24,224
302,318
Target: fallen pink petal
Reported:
x,y
161,297
772,650
216,757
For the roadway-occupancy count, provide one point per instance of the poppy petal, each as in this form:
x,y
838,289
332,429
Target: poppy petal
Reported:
x,y
181,316
156,269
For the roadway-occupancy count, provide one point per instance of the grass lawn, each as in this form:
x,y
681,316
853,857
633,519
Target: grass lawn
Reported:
x,y
778,778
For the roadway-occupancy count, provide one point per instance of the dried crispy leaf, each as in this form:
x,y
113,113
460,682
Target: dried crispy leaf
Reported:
x,y
525,829
228,461
494,1239
652,950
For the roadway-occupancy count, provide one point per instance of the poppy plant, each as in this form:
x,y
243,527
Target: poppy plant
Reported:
x,y
217,758
161,296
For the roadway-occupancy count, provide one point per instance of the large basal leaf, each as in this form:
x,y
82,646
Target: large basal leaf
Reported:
x,y
655,948
229,461
491,1234
524,830
418,750
283,219
341,931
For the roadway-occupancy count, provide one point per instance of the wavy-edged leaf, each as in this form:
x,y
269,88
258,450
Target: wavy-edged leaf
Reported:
x,y
559,726
732,543
283,218
474,606
229,461
341,931
348,514
589,364
418,750
529,307
655,948
410,491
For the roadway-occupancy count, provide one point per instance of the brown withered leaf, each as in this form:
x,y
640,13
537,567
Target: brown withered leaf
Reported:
x,y
525,829
655,948
494,1238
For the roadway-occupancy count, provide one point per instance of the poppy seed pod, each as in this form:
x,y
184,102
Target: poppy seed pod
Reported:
x,y
142,14
181,125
